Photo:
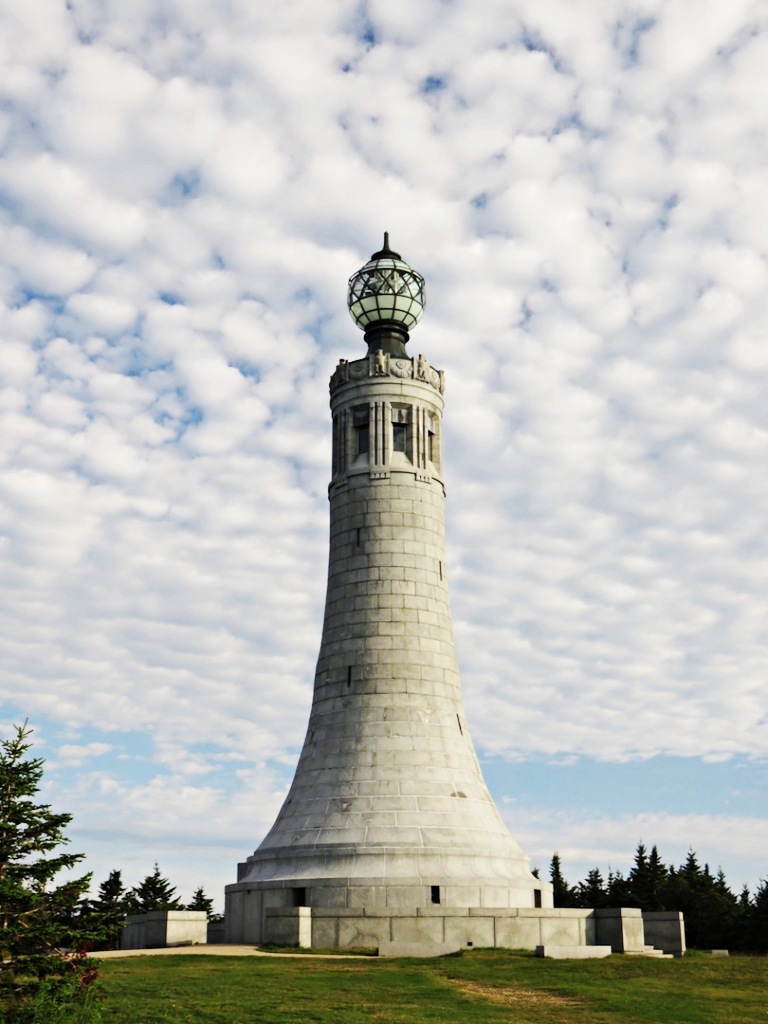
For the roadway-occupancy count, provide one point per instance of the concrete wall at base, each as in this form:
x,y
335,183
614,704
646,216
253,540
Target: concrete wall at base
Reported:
x,y
133,934
624,929
665,930
243,912
355,932
246,906
161,928
513,928
288,926
621,928
416,949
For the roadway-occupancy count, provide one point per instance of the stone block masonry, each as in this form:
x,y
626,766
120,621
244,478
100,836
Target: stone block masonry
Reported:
x,y
558,933
388,807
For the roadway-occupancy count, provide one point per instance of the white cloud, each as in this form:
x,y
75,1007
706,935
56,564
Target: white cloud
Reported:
x,y
183,201
78,754
66,200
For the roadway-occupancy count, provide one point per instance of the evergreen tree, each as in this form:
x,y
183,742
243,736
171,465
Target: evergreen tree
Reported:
x,y
757,922
105,916
637,878
691,871
647,881
658,873
713,919
745,899
200,901
562,893
37,916
591,893
154,893
725,919
616,888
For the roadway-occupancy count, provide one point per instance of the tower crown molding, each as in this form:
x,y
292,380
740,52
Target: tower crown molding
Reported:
x,y
384,364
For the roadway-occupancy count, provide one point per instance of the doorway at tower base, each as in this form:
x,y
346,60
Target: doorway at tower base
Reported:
x,y
439,929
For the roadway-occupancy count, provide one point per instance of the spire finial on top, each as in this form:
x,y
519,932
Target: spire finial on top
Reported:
x,y
386,251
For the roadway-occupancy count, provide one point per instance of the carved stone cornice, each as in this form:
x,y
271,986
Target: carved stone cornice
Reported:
x,y
383,364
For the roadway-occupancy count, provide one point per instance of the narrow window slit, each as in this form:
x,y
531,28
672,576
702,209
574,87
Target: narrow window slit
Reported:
x,y
400,437
459,721
349,675
434,893
361,425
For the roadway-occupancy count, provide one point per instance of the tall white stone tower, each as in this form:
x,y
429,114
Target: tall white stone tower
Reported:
x,y
388,818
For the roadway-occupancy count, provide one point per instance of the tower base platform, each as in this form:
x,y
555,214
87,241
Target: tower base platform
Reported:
x,y
439,929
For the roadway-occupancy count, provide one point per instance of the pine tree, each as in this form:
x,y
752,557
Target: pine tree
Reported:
x,y
724,919
37,917
562,893
713,918
745,898
105,916
154,893
646,881
658,874
616,888
592,892
758,919
200,901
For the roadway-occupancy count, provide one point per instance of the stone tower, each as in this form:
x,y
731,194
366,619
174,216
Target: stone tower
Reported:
x,y
388,815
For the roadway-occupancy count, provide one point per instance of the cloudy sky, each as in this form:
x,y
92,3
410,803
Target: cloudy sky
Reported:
x,y
185,188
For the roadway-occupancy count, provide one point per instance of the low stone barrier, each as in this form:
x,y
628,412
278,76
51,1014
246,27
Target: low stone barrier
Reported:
x,y
160,928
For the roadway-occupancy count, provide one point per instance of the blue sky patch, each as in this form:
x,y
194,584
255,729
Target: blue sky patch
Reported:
x,y
432,84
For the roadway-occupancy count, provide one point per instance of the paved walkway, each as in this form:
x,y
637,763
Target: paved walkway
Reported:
x,y
212,950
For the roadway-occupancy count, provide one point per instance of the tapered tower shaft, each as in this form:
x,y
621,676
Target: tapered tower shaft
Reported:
x,y
388,807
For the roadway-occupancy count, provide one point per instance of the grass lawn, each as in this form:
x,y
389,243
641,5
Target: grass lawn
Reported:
x,y
482,987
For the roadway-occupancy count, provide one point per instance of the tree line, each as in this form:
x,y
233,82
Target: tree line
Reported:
x,y
716,917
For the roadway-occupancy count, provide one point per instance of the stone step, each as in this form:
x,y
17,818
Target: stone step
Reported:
x,y
573,952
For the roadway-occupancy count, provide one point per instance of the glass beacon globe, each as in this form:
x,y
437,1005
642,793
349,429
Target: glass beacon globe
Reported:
x,y
386,292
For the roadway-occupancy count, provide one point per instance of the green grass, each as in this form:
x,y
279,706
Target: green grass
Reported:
x,y
482,987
